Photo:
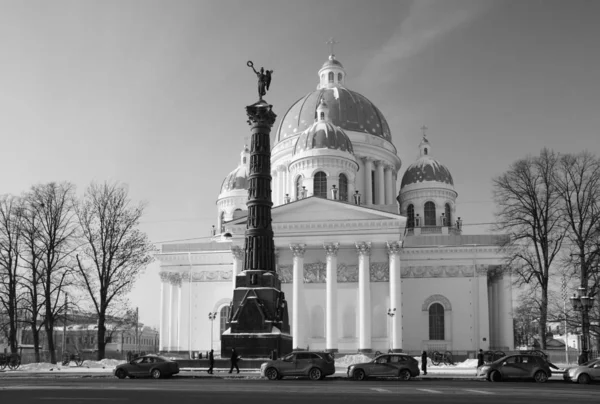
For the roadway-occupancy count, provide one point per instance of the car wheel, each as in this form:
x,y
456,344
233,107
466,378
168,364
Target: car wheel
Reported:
x,y
272,374
584,378
120,373
404,375
540,376
155,373
495,376
360,375
315,374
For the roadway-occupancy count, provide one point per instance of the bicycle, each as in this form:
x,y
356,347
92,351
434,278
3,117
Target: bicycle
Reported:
x,y
13,361
438,357
68,357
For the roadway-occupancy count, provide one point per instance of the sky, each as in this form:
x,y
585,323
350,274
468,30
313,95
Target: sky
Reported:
x,y
152,93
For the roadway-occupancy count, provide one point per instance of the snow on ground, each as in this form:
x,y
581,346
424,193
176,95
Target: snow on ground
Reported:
x,y
348,360
87,365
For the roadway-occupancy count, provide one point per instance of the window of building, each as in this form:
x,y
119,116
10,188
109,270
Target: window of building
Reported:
x,y
448,213
330,76
298,187
322,115
425,151
410,216
222,222
339,77
430,214
343,187
436,322
223,316
320,185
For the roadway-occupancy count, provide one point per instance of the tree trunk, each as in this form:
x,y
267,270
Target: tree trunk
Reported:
x,y
543,317
101,336
36,342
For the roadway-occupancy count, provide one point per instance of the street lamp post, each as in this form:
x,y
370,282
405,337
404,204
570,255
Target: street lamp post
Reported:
x,y
391,312
211,317
583,303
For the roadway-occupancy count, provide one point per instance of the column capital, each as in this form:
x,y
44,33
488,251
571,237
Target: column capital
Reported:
x,y
394,247
175,278
380,163
363,248
298,249
367,158
331,249
237,252
164,276
281,167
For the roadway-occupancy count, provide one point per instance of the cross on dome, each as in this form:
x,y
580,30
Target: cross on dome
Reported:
x,y
331,42
424,129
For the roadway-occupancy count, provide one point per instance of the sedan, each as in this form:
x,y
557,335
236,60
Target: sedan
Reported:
x,y
315,365
585,373
388,365
147,366
534,367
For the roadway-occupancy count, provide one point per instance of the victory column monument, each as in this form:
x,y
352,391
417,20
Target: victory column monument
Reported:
x,y
258,321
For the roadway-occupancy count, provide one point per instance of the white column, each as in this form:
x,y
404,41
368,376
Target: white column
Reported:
x,y
394,179
368,194
389,198
298,296
497,299
184,312
364,296
164,311
238,256
482,311
379,184
395,294
178,317
490,290
331,249
506,313
171,323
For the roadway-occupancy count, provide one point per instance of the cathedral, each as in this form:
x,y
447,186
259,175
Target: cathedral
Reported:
x,y
364,266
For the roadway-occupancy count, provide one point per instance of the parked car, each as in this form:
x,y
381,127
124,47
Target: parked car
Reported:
x,y
387,365
147,366
517,366
585,373
315,365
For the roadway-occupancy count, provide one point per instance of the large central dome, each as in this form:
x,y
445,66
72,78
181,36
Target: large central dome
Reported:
x,y
348,109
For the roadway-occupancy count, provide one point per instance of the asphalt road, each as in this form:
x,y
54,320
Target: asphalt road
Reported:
x,y
232,391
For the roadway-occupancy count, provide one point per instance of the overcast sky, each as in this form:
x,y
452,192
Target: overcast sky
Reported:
x,y
152,93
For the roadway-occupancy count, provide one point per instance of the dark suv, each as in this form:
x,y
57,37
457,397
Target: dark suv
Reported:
x,y
387,365
520,366
315,365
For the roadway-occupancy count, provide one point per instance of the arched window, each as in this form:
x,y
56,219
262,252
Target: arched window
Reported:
x,y
322,115
430,214
244,160
410,216
320,185
238,213
426,151
436,322
330,77
343,181
222,222
223,316
448,217
339,77
298,187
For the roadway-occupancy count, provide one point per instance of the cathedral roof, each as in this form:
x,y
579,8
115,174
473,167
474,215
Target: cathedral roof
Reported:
x,y
323,135
237,179
426,169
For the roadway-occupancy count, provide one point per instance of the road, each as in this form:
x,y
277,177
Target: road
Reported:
x,y
230,391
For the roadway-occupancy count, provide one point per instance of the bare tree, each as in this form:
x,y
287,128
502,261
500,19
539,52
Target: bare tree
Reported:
x,y
54,235
578,182
529,208
116,251
11,222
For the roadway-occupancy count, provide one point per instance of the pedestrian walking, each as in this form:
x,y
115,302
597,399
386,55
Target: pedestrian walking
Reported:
x,y
424,362
211,361
480,358
234,361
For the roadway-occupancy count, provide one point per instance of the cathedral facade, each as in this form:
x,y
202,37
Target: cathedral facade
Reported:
x,y
364,266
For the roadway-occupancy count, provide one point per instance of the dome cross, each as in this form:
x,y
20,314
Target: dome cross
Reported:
x,y
331,42
424,130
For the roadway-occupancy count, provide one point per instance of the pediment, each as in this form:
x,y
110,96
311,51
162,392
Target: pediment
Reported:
x,y
321,210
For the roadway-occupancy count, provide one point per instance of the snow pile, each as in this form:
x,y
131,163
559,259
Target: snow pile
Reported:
x,y
104,364
36,367
348,360
45,366
467,364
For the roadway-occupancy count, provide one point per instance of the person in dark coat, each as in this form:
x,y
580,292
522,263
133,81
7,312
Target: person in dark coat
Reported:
x,y
211,361
234,361
480,358
424,362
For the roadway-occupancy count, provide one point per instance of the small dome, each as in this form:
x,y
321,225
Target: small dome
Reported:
x,y
323,135
426,169
237,179
332,61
